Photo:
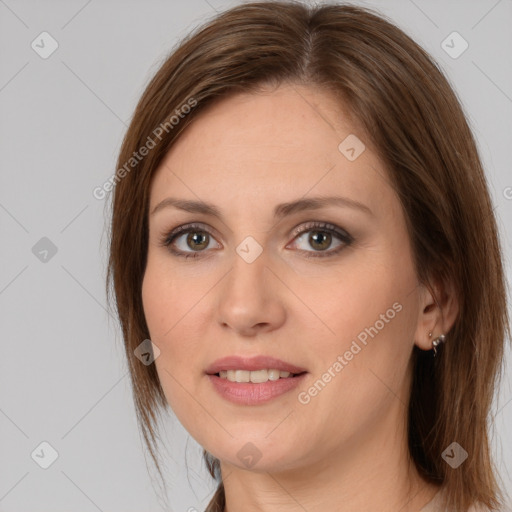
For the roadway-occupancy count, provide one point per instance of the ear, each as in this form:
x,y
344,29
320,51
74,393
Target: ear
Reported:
x,y
438,310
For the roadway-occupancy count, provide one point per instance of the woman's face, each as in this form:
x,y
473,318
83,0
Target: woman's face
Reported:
x,y
328,289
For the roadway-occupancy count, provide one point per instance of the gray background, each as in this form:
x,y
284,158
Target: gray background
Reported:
x,y
63,378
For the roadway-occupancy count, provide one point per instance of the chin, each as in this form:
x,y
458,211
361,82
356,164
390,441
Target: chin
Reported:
x,y
259,455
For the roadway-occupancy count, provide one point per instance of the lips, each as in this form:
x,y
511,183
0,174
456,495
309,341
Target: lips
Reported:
x,y
252,364
249,393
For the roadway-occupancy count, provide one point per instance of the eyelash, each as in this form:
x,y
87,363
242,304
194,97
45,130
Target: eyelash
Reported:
x,y
168,238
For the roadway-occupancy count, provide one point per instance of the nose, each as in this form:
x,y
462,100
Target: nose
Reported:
x,y
250,298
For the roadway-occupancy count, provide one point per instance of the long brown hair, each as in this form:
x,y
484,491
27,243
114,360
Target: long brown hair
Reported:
x,y
410,113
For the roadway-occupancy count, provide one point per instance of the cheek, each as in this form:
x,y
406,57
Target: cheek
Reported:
x,y
347,302
169,295
371,319
172,309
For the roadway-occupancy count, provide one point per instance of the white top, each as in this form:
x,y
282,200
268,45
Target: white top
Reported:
x,y
434,505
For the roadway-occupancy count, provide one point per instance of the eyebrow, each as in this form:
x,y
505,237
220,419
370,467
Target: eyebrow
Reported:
x,y
281,210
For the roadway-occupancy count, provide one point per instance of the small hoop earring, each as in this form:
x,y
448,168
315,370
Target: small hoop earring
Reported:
x,y
437,341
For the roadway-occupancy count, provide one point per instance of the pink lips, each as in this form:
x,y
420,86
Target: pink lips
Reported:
x,y
252,364
250,393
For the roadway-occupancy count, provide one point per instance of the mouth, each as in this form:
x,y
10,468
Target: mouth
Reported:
x,y
260,368
256,376
254,380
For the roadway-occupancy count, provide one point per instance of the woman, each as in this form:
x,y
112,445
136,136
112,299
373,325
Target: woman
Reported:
x,y
301,226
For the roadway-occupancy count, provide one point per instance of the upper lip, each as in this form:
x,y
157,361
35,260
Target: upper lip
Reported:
x,y
252,364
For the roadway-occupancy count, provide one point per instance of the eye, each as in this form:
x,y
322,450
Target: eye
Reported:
x,y
198,239
320,238
190,240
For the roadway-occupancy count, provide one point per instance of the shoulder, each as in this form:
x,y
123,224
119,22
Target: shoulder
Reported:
x,y
435,505
480,508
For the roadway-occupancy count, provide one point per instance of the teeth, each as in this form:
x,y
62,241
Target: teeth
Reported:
x,y
241,376
273,374
257,376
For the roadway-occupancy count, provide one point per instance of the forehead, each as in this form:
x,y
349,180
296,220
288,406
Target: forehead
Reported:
x,y
275,145
290,121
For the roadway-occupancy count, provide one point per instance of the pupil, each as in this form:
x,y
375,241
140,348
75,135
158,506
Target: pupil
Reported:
x,y
318,234
194,237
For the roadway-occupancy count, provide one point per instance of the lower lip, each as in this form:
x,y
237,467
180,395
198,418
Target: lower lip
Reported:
x,y
250,393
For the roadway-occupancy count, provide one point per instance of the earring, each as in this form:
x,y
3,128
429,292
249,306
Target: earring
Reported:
x,y
435,343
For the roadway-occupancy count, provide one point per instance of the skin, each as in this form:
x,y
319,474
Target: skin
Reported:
x,y
346,449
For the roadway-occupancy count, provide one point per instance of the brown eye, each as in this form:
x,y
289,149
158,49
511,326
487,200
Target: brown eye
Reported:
x,y
320,240
193,240
190,240
197,240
